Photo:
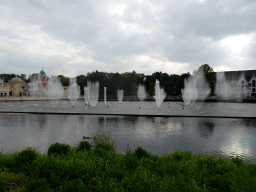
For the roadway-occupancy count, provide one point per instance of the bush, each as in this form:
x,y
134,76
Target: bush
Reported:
x,y
26,156
84,145
2,183
39,185
103,140
140,152
75,185
59,149
130,162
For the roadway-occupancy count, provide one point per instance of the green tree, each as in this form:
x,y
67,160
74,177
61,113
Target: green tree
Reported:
x,y
207,71
151,89
134,89
81,81
64,80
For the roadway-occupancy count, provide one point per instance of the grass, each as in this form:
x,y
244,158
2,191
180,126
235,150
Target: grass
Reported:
x,y
81,168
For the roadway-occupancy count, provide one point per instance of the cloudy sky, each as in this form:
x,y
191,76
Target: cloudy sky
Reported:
x,y
74,37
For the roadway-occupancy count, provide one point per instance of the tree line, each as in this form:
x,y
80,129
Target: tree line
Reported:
x,y
129,81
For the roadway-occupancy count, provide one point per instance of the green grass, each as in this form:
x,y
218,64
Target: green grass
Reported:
x,y
81,168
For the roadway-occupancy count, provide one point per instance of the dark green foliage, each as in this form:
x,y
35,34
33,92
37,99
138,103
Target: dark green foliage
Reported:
x,y
2,182
130,161
26,156
75,185
100,152
84,145
38,185
140,152
59,149
237,161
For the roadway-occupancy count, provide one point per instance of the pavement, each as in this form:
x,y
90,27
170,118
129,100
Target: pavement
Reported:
x,y
167,109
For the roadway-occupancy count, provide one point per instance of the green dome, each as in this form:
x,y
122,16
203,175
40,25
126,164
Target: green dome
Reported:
x,y
42,72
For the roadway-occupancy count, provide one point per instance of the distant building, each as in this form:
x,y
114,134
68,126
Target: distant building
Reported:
x,y
236,83
16,87
4,91
38,85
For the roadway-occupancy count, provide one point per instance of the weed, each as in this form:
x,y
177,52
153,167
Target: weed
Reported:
x,y
84,145
140,152
38,185
104,140
59,149
75,185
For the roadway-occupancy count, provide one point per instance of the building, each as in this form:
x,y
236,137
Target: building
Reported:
x,y
4,91
38,85
236,84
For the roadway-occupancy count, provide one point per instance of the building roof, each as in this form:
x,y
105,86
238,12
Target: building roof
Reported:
x,y
236,75
42,72
16,79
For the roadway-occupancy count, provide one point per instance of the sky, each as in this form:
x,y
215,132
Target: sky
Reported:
x,y
74,37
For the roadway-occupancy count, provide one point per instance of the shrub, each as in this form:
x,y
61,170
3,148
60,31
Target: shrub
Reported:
x,y
75,185
140,152
59,149
103,140
26,156
2,183
130,161
84,145
39,185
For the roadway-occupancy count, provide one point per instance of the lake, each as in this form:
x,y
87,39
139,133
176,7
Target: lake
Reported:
x,y
221,137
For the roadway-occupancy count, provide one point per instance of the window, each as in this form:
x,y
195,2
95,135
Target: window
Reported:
x,y
242,82
253,83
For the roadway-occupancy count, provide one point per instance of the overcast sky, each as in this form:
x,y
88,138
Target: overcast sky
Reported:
x,y
74,37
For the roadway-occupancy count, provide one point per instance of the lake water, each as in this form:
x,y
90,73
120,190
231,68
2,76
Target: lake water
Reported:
x,y
221,137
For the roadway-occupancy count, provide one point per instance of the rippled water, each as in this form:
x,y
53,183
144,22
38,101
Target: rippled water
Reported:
x,y
222,137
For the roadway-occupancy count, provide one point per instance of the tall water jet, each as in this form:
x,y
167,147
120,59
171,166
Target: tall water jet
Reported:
x,y
159,94
93,89
141,92
120,95
189,93
203,88
222,88
86,95
105,95
54,90
73,91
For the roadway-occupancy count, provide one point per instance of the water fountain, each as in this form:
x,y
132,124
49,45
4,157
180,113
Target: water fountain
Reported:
x,y
93,90
120,95
73,91
196,89
34,87
54,91
189,93
159,94
86,95
105,95
141,92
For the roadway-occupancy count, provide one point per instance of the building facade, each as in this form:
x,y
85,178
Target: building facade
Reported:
x,y
236,84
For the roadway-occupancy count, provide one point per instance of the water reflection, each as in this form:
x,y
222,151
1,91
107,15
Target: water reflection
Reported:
x,y
205,127
160,135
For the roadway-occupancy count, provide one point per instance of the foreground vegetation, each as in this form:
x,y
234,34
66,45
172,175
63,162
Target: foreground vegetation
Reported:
x,y
81,168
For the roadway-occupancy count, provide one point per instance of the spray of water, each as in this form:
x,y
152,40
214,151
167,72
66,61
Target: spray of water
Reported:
x,y
93,92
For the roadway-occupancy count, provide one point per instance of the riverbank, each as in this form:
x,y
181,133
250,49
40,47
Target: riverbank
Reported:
x,y
100,168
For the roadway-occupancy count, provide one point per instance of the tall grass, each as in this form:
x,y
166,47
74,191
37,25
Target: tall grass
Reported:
x,y
104,140
82,168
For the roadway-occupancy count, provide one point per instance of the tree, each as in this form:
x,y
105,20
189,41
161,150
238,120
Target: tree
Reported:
x,y
207,71
64,80
203,70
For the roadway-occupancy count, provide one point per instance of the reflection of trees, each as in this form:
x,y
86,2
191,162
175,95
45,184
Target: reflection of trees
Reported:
x,y
248,122
42,120
205,127
114,122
